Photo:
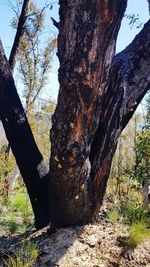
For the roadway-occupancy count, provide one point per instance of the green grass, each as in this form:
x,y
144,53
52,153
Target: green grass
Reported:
x,y
17,216
25,257
114,215
139,231
12,226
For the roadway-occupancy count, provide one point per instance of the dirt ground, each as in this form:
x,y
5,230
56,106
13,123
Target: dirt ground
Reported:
x,y
94,245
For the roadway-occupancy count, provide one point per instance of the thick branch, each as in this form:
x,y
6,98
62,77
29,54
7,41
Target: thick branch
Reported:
x,y
19,34
128,82
132,67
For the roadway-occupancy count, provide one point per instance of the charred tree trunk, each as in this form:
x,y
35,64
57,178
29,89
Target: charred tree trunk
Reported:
x,y
97,98
12,62
86,45
19,135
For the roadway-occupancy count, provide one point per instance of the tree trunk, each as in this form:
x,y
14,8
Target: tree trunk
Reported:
x,y
24,148
86,45
97,98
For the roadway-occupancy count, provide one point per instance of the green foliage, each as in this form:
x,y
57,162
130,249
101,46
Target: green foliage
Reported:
x,y
141,169
126,207
138,232
131,212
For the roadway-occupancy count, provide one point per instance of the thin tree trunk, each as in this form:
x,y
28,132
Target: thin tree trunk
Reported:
x,y
19,34
24,148
12,63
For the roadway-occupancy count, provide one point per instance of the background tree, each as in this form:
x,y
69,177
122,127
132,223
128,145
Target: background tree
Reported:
x,y
34,59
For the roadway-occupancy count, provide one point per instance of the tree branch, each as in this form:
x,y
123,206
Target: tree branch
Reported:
x,y
132,69
55,23
128,82
19,34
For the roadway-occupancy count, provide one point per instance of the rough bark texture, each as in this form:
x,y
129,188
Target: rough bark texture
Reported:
x,y
19,135
86,45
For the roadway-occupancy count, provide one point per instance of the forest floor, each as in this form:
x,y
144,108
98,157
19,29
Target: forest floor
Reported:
x,y
95,245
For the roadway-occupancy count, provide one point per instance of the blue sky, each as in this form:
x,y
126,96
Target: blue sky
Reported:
x,y
126,34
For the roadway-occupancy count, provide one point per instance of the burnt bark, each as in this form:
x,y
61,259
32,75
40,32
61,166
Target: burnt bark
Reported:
x,y
12,63
24,148
86,46
128,82
98,95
